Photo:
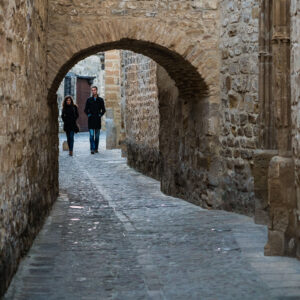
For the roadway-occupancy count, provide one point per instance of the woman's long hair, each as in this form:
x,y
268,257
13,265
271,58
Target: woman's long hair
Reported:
x,y
64,104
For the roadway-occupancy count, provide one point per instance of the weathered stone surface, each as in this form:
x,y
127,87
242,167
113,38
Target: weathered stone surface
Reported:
x,y
267,135
279,110
141,115
282,202
28,131
239,95
113,98
188,145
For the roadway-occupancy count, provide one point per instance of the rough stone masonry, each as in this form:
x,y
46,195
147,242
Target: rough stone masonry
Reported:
x,y
141,113
28,131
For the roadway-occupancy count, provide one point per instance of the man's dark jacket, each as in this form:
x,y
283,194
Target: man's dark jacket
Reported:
x,y
94,109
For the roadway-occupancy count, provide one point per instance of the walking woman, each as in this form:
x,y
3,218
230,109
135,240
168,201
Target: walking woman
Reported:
x,y
69,117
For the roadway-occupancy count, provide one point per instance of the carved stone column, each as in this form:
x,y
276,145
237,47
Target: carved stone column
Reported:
x,y
267,122
267,137
281,89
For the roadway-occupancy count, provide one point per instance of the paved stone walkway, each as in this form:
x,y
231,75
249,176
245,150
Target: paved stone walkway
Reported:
x,y
113,235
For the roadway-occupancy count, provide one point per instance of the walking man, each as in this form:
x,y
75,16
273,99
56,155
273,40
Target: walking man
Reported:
x,y
95,109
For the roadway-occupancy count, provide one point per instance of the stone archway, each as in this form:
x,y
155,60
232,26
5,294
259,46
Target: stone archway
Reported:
x,y
166,45
42,41
188,142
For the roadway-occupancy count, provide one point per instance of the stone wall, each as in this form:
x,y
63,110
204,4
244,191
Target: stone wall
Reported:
x,y
295,95
113,98
189,144
141,113
28,131
239,101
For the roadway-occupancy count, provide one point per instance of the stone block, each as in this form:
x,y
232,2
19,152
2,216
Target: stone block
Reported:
x,y
276,195
280,217
261,214
111,134
283,207
276,243
281,181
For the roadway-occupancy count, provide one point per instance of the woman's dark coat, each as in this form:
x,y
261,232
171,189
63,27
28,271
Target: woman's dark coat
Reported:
x,y
69,116
94,109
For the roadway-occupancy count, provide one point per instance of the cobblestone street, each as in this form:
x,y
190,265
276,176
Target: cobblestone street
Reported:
x,y
113,235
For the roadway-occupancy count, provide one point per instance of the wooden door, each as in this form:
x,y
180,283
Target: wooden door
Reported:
x,y
83,92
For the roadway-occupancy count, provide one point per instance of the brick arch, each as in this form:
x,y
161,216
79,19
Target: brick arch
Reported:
x,y
185,60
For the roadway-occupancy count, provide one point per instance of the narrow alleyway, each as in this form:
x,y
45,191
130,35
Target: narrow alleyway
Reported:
x,y
113,235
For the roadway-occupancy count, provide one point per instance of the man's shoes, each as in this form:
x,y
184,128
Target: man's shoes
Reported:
x,y
96,151
71,153
92,152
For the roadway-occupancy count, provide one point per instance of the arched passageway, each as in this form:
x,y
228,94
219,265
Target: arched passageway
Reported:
x,y
187,90
44,54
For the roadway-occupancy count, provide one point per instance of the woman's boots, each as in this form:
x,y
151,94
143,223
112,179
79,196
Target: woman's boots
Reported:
x,y
71,153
